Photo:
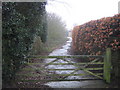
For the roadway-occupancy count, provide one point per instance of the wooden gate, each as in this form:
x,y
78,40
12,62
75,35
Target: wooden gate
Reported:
x,y
97,66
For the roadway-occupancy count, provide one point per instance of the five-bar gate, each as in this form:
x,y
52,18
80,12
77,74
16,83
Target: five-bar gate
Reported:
x,y
98,66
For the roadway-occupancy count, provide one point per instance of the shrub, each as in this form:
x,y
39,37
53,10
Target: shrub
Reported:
x,y
20,23
95,36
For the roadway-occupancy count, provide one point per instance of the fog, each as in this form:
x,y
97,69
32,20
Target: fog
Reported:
x,y
77,12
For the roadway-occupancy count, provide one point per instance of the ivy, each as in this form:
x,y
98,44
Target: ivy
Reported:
x,y
21,21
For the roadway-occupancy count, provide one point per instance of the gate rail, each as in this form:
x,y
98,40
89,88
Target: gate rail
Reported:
x,y
106,65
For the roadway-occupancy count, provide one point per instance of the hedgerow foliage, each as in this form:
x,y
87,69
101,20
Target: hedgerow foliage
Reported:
x,y
94,37
21,22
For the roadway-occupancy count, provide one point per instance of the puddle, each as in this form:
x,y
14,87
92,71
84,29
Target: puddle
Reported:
x,y
77,84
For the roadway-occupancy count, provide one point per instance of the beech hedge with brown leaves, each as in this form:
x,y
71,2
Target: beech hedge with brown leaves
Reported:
x,y
92,38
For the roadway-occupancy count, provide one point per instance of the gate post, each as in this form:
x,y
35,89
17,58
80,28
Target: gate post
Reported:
x,y
107,65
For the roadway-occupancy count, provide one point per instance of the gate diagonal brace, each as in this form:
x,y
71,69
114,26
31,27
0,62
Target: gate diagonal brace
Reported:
x,y
91,73
51,62
64,59
83,68
57,60
90,62
71,73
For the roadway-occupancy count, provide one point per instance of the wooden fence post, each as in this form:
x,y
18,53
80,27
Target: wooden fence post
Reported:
x,y
107,65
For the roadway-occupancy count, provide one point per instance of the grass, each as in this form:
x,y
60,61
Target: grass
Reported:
x,y
39,48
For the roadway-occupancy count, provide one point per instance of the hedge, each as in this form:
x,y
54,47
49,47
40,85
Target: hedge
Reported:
x,y
95,36
21,22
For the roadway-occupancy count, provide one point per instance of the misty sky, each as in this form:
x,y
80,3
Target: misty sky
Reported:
x,y
77,12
